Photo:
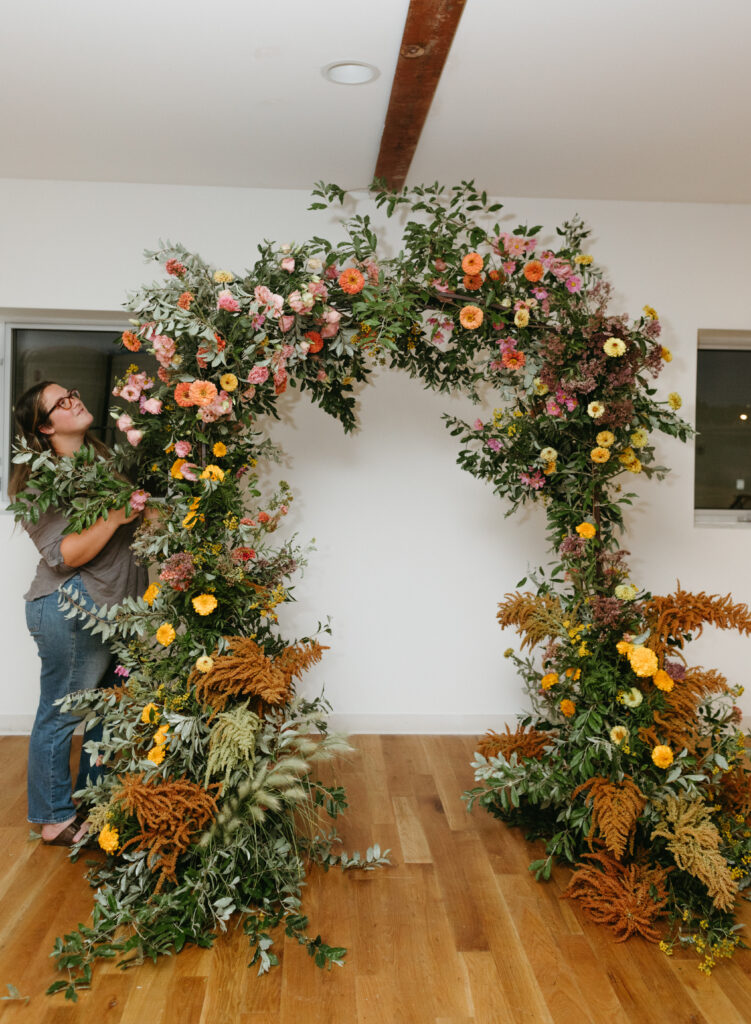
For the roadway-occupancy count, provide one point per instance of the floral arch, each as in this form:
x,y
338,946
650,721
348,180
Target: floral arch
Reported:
x,y
629,761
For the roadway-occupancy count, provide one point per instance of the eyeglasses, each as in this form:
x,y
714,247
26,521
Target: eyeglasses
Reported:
x,y
65,403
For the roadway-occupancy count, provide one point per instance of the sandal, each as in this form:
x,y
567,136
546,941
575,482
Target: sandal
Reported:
x,y
68,835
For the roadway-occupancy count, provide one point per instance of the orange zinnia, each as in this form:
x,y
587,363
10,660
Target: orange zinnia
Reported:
x,y
472,282
130,341
472,263
533,270
202,392
351,281
471,317
316,341
182,394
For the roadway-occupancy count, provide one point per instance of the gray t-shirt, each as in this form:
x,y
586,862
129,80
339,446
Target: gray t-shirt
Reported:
x,y
109,577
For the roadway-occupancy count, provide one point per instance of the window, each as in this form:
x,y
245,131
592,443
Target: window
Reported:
x,y
80,356
722,477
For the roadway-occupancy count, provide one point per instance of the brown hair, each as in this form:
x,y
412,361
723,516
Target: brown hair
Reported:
x,y
30,414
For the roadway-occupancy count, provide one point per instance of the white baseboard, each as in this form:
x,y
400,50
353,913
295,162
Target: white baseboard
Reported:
x,y
394,725
16,725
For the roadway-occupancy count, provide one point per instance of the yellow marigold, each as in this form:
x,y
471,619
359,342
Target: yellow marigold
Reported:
x,y
639,438
599,455
548,680
618,734
650,313
223,277
151,593
150,713
663,681
219,450
662,756
471,317
204,604
627,455
109,839
666,355
549,468
521,317
642,660
574,673
674,400
205,663
156,755
213,473
176,469
228,382
605,438
165,634
567,708
586,530
160,736
583,259
634,466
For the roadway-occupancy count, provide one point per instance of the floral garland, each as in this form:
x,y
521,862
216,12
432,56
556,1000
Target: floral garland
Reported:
x,y
625,747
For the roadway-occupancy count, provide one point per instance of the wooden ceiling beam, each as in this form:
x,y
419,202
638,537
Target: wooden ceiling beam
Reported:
x,y
428,33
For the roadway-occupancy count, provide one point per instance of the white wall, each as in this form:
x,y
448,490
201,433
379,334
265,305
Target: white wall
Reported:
x,y
412,555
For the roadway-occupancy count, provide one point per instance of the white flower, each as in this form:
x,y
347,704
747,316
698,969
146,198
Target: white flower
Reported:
x,y
285,247
595,410
632,698
626,591
548,454
313,264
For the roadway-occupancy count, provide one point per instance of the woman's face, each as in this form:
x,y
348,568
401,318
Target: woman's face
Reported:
x,y
64,423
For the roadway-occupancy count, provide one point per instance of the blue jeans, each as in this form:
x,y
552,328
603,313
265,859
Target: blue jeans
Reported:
x,y
72,659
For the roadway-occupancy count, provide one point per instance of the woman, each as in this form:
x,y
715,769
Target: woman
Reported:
x,y
97,568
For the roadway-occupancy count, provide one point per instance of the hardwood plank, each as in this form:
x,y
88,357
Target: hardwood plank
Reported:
x,y
415,848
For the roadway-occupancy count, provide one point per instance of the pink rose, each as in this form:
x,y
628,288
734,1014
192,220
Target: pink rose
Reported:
x,y
226,300
130,393
138,500
124,422
318,288
286,323
164,348
182,449
288,264
134,437
151,405
258,375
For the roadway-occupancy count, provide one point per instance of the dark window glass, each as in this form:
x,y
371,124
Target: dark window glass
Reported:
x,y
723,422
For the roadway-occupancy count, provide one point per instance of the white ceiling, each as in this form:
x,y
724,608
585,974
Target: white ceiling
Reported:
x,y
623,99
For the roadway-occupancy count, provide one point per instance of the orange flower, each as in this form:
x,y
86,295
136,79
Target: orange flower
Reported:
x,y
472,282
662,680
495,275
351,281
533,270
130,341
176,469
548,680
567,708
182,394
202,392
204,604
472,263
316,341
471,317
185,300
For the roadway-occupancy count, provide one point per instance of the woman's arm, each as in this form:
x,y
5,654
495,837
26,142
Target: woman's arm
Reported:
x,y
79,548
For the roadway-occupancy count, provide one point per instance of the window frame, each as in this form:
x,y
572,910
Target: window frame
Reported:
x,y
42,320
728,341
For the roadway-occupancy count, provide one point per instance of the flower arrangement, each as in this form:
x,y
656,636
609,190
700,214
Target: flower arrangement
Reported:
x,y
629,764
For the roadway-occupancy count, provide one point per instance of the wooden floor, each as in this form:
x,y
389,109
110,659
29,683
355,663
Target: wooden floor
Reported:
x,y
455,932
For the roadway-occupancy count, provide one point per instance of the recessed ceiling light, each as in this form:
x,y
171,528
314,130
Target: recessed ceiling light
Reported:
x,y
350,72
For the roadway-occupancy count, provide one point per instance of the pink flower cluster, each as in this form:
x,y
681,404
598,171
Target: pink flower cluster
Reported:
x,y
220,405
555,404
164,349
133,387
227,301
514,245
178,570
534,479
138,500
